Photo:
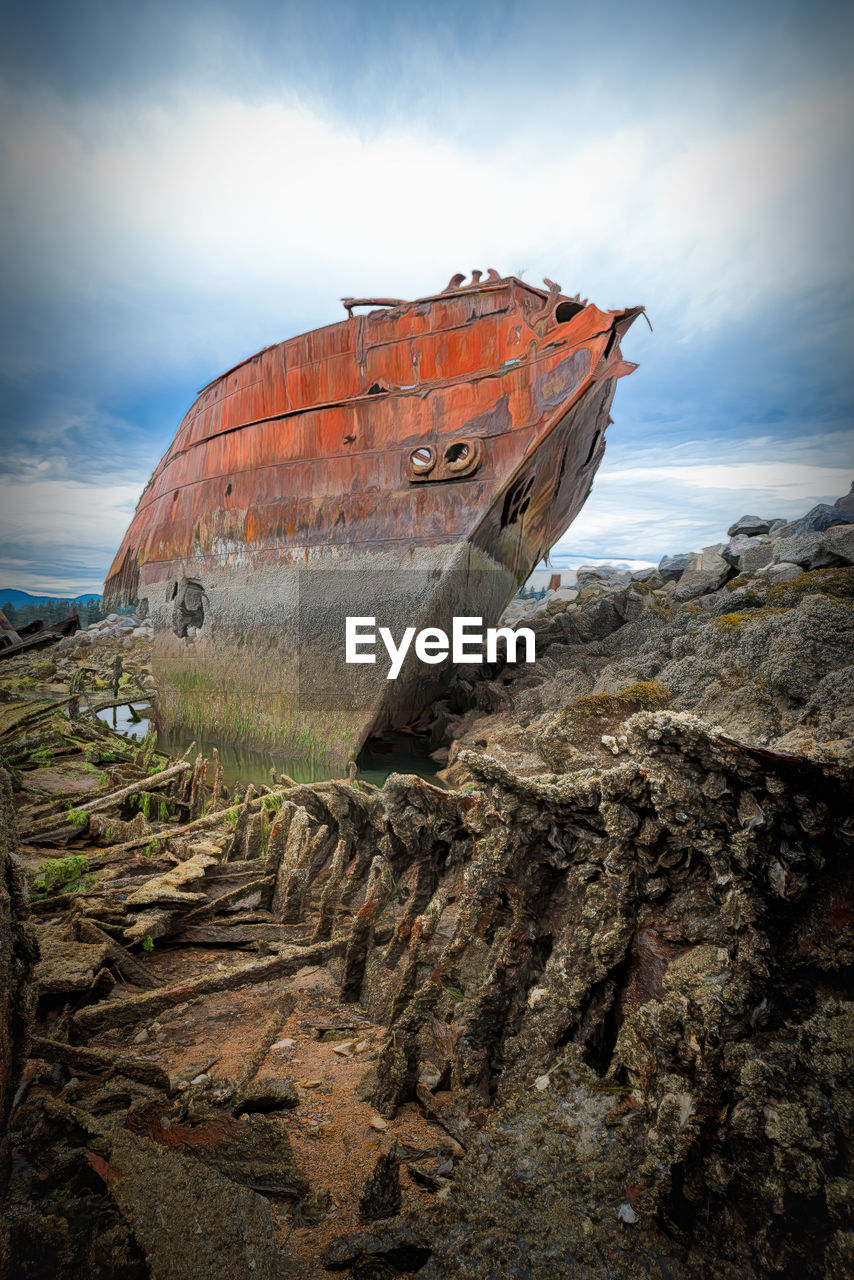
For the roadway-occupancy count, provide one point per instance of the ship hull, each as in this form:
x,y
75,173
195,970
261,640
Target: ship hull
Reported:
x,y
250,547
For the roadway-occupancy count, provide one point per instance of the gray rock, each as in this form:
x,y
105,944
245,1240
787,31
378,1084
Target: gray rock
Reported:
x,y
269,1093
747,553
592,620
751,526
604,574
782,572
672,567
756,557
818,550
190,1220
817,520
381,1196
643,575
557,601
846,503
839,541
707,572
399,1237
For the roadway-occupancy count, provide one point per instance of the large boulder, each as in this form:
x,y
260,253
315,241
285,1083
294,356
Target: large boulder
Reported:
x,y
784,571
670,568
820,549
707,572
846,503
817,520
591,619
751,526
748,552
604,574
839,541
189,1219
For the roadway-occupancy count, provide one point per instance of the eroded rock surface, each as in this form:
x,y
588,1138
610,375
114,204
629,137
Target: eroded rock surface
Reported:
x,y
772,663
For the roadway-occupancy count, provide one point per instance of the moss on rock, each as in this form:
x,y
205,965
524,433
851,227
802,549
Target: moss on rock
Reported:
x,y
643,695
837,583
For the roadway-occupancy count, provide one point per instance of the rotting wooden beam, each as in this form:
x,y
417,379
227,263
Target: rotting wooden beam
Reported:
x,y
130,1009
80,1058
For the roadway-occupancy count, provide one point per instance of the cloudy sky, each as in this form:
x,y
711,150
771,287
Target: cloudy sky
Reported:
x,y
183,183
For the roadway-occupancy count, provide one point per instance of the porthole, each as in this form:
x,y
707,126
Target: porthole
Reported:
x,y
460,458
457,455
463,456
422,460
565,311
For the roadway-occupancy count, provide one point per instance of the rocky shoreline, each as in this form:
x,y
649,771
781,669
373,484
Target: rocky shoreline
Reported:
x,y
753,636
583,1011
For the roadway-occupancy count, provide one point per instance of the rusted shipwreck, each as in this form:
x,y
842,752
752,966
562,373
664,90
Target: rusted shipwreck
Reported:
x,y
410,463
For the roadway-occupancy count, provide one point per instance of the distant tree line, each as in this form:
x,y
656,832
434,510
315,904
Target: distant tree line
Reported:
x,y
51,611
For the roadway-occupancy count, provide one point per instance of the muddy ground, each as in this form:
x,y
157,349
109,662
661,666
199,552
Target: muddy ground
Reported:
x,y
583,1010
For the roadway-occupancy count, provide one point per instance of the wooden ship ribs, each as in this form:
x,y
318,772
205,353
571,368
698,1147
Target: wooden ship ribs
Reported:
x,y
409,463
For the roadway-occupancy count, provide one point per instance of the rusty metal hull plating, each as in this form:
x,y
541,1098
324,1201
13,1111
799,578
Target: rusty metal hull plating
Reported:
x,y
424,456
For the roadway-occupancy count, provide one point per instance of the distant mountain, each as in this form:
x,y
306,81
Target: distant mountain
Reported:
x,y
23,599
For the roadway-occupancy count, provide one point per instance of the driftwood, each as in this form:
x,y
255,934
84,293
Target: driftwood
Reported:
x,y
281,1012
79,1058
126,963
148,783
237,934
130,695
152,782
130,1009
206,823
230,899
11,722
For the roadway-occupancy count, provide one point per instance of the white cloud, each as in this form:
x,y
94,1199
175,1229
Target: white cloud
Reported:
x,y
71,526
653,508
223,210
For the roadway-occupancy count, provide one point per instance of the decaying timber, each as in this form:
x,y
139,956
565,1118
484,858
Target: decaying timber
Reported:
x,y
587,1013
626,987
412,463
17,989
34,635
